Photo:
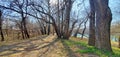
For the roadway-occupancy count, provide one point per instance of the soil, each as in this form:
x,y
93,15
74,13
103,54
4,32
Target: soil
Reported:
x,y
42,46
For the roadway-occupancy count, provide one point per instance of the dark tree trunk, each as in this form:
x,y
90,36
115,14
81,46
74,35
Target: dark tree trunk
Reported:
x,y
119,42
41,27
103,22
91,40
84,29
25,28
22,31
48,29
67,18
2,36
75,34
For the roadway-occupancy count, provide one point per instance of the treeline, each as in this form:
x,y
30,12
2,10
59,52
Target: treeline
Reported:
x,y
11,29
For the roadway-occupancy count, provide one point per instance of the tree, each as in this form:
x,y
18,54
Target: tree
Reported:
x,y
103,22
119,42
84,28
115,31
92,24
63,30
48,29
77,30
2,36
67,18
21,6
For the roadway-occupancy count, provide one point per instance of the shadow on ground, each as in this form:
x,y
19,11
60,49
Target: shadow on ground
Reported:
x,y
71,53
27,46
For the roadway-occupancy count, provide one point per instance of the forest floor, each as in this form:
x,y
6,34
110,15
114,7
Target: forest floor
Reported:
x,y
45,46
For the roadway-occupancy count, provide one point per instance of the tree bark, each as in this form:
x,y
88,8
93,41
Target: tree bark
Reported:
x,y
84,29
67,18
25,28
2,36
103,22
119,41
48,18
91,40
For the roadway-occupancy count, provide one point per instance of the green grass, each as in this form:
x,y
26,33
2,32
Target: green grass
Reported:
x,y
93,50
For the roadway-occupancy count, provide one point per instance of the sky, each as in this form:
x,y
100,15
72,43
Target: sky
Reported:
x,y
113,4
115,8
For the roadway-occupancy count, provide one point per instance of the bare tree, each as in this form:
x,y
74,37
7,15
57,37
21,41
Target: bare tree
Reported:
x,y
92,24
62,27
84,28
115,31
2,36
22,7
67,18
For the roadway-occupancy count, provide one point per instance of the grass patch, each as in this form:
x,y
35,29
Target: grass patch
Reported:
x,y
91,49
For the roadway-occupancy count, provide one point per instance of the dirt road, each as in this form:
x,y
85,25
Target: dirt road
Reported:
x,y
45,46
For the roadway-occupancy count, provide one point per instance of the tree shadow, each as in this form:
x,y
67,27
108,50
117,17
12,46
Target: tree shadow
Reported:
x,y
48,48
16,48
70,51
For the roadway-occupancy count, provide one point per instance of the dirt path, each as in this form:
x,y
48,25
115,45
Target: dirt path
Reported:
x,y
40,47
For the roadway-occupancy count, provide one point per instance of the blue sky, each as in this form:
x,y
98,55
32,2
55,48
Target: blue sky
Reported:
x,y
113,4
115,8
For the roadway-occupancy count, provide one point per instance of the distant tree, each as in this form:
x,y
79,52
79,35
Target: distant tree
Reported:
x,y
77,30
83,32
22,7
115,31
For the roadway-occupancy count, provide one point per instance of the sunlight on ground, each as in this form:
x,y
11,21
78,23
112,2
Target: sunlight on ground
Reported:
x,y
83,48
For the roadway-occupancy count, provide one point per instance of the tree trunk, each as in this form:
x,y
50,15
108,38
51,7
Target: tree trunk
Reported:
x,y
103,22
41,27
67,19
119,41
48,29
91,40
76,32
23,37
84,29
2,36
